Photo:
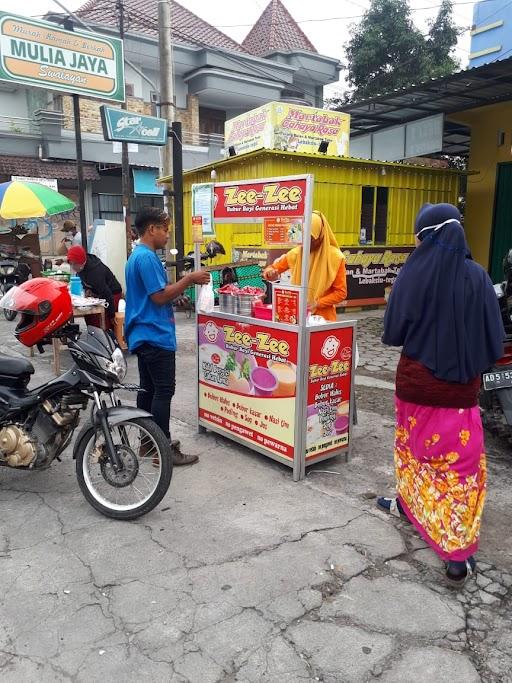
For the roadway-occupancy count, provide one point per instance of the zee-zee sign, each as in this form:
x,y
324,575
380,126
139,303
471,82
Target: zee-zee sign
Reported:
x,y
253,200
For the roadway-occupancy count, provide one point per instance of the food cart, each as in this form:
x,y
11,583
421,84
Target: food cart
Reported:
x,y
283,388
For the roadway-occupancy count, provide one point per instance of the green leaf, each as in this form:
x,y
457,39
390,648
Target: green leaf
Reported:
x,y
231,362
245,369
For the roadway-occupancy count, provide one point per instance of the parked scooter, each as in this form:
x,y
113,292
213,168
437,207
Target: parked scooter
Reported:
x,y
12,273
123,459
496,393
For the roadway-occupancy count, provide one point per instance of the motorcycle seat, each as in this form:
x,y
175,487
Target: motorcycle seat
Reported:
x,y
15,367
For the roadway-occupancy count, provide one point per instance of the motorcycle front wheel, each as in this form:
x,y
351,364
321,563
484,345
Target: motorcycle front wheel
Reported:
x,y
145,478
10,315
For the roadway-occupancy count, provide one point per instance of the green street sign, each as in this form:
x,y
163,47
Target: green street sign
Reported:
x,y
41,54
127,126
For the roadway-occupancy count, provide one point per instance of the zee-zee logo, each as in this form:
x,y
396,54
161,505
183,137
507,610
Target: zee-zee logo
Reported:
x,y
211,331
330,347
346,353
271,194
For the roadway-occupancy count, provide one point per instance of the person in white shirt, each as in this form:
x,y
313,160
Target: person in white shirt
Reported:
x,y
73,236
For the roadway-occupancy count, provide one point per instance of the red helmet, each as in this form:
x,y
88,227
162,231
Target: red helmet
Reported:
x,y
44,305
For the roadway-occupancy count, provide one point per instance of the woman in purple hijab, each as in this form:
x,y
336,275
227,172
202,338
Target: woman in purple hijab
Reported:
x,y
444,314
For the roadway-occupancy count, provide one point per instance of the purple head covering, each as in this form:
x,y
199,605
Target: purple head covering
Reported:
x,y
443,309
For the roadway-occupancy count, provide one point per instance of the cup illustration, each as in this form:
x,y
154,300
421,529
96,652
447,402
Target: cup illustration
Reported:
x,y
286,378
264,381
341,424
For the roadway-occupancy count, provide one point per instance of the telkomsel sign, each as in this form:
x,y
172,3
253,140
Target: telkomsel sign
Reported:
x,y
38,53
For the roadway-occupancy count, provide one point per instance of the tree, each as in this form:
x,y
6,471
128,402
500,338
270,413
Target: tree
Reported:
x,y
442,38
387,51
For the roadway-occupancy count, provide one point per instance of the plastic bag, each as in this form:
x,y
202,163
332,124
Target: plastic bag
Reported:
x,y
206,298
315,320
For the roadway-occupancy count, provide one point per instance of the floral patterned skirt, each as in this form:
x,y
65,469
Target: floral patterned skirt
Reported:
x,y
441,475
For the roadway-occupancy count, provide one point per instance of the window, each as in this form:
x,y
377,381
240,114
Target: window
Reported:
x,y
211,121
367,202
381,216
374,213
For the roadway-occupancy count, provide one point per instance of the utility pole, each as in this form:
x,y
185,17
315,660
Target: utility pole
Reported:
x,y
68,24
177,185
166,92
125,162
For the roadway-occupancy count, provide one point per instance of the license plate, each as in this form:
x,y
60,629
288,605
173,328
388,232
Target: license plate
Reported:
x,y
497,380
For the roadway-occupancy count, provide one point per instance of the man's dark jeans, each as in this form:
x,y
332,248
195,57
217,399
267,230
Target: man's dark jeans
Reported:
x,y
157,376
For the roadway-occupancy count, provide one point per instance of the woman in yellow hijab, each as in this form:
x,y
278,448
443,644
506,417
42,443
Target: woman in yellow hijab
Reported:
x,y
327,284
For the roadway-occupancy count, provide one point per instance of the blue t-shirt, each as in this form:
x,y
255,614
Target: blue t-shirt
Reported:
x,y
145,321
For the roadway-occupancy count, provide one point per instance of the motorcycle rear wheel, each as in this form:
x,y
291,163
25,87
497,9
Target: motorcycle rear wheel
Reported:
x,y
141,485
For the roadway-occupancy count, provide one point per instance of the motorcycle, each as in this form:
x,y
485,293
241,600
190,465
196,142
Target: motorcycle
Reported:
x,y
496,393
12,273
122,458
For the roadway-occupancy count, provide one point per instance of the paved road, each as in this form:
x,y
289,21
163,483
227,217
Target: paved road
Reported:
x,y
241,575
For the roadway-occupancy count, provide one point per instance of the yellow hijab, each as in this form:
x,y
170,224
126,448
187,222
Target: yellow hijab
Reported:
x,y
324,263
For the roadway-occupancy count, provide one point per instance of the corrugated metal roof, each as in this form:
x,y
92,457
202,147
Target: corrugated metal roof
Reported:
x,y
276,31
466,89
310,160
187,27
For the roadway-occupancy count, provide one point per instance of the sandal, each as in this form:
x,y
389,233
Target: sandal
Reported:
x,y
457,573
393,507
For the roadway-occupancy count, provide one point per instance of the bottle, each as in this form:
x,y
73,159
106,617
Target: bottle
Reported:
x,y
75,286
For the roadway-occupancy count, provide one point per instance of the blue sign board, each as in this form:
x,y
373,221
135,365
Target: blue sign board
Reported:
x,y
127,126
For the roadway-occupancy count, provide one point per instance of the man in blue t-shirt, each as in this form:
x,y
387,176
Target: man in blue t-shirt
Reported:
x,y
149,320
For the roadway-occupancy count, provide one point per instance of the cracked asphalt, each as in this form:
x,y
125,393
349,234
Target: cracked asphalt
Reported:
x,y
242,575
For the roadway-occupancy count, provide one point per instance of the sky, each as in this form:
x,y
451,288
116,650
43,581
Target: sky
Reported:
x,y
326,23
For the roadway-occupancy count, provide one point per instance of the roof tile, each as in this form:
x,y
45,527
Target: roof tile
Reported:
x,y
32,167
187,27
276,31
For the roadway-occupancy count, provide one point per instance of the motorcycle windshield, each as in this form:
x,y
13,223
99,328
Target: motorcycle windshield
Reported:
x,y
17,299
99,341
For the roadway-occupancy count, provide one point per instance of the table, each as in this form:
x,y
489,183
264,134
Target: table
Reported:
x,y
77,313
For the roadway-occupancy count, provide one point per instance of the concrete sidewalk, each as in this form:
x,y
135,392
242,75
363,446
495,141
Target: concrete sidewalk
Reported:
x,y
242,575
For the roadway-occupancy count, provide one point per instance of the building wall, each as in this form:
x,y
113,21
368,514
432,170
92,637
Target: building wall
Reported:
x,y
13,104
485,154
491,35
91,121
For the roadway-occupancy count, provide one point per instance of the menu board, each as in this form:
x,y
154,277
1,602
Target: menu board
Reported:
x,y
329,380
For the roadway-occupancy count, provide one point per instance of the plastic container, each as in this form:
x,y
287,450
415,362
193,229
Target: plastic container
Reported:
x,y
75,286
262,311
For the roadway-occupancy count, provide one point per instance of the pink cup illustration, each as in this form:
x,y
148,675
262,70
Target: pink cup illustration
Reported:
x,y
264,381
341,424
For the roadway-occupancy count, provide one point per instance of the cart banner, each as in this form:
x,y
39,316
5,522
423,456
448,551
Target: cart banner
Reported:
x,y
259,200
41,54
329,382
372,271
282,230
247,381
286,304
264,257
289,127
